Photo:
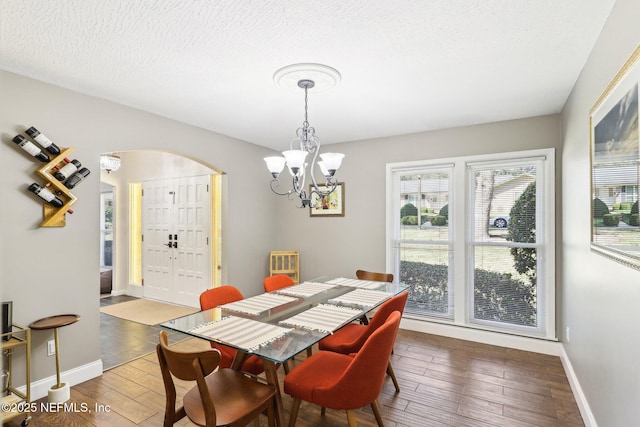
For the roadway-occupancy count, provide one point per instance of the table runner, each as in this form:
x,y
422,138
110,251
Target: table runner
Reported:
x,y
258,304
356,283
305,289
241,332
323,317
363,297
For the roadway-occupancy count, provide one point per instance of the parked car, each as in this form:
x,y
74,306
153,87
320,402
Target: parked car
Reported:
x,y
501,221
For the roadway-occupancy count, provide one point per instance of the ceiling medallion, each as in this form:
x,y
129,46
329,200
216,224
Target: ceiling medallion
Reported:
x,y
323,76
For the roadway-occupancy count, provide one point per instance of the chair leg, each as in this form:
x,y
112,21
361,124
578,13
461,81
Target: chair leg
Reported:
x,y
376,412
393,377
351,418
271,416
295,406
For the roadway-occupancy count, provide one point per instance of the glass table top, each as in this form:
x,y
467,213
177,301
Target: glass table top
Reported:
x,y
280,324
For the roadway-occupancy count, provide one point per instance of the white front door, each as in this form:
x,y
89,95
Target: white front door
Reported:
x,y
176,251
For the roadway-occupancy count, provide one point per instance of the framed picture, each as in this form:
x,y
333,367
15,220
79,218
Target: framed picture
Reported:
x,y
331,205
615,167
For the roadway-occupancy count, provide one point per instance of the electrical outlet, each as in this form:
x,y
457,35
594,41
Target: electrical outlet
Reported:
x,y
51,348
567,335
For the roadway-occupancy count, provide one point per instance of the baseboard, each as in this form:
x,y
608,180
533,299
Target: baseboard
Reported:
x,y
542,346
40,388
578,393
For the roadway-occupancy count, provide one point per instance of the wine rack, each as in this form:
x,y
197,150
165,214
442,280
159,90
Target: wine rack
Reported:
x,y
56,194
53,216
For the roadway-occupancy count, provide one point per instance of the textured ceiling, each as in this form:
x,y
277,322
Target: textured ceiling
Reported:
x,y
407,66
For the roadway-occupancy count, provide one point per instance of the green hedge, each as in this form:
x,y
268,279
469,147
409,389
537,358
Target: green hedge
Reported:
x,y
439,220
634,219
611,220
408,210
600,209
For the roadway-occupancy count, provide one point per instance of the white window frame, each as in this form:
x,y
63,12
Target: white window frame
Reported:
x,y
460,233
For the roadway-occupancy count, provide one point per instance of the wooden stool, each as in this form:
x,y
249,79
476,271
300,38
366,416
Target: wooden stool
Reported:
x,y
59,392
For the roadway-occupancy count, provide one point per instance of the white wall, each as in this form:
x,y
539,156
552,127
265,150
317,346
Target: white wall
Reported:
x,y
48,271
600,297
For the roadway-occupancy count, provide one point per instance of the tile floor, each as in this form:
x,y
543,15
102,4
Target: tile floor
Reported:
x,y
122,340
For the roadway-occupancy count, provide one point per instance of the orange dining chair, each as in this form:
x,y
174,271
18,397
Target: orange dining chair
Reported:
x,y
215,297
278,281
376,277
351,337
225,397
345,382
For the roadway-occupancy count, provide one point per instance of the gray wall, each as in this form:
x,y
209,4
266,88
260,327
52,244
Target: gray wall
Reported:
x,y
48,271
600,297
339,246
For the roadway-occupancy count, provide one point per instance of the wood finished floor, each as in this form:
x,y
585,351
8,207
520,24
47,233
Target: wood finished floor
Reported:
x,y
444,382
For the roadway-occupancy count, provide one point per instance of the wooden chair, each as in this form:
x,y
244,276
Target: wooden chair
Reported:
x,y
376,277
345,382
222,398
285,262
350,338
215,297
279,281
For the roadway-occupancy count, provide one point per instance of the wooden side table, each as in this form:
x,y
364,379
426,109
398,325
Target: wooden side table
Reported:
x,y
60,391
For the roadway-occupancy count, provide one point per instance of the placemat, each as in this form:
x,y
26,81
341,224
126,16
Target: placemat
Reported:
x,y
240,332
305,289
356,283
323,317
257,304
363,297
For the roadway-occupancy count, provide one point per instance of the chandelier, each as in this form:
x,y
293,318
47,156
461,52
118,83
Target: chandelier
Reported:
x,y
305,142
110,162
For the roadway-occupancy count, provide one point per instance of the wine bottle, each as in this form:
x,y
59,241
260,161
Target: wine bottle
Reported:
x,y
46,195
31,148
43,140
67,170
76,178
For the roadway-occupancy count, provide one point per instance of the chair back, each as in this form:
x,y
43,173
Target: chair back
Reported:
x,y
212,298
362,381
377,277
181,364
187,366
396,303
279,281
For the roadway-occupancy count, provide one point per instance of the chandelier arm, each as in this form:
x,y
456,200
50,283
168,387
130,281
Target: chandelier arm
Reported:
x,y
311,169
275,183
331,184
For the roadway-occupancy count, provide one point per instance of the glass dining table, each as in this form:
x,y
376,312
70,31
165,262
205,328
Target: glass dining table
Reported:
x,y
278,325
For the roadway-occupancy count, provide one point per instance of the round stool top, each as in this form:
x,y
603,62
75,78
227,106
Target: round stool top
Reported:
x,y
54,321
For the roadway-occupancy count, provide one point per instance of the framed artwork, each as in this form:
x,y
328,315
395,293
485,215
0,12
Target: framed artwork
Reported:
x,y
615,167
331,205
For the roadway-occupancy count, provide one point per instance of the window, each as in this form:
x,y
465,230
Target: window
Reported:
x,y
106,229
423,246
478,248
